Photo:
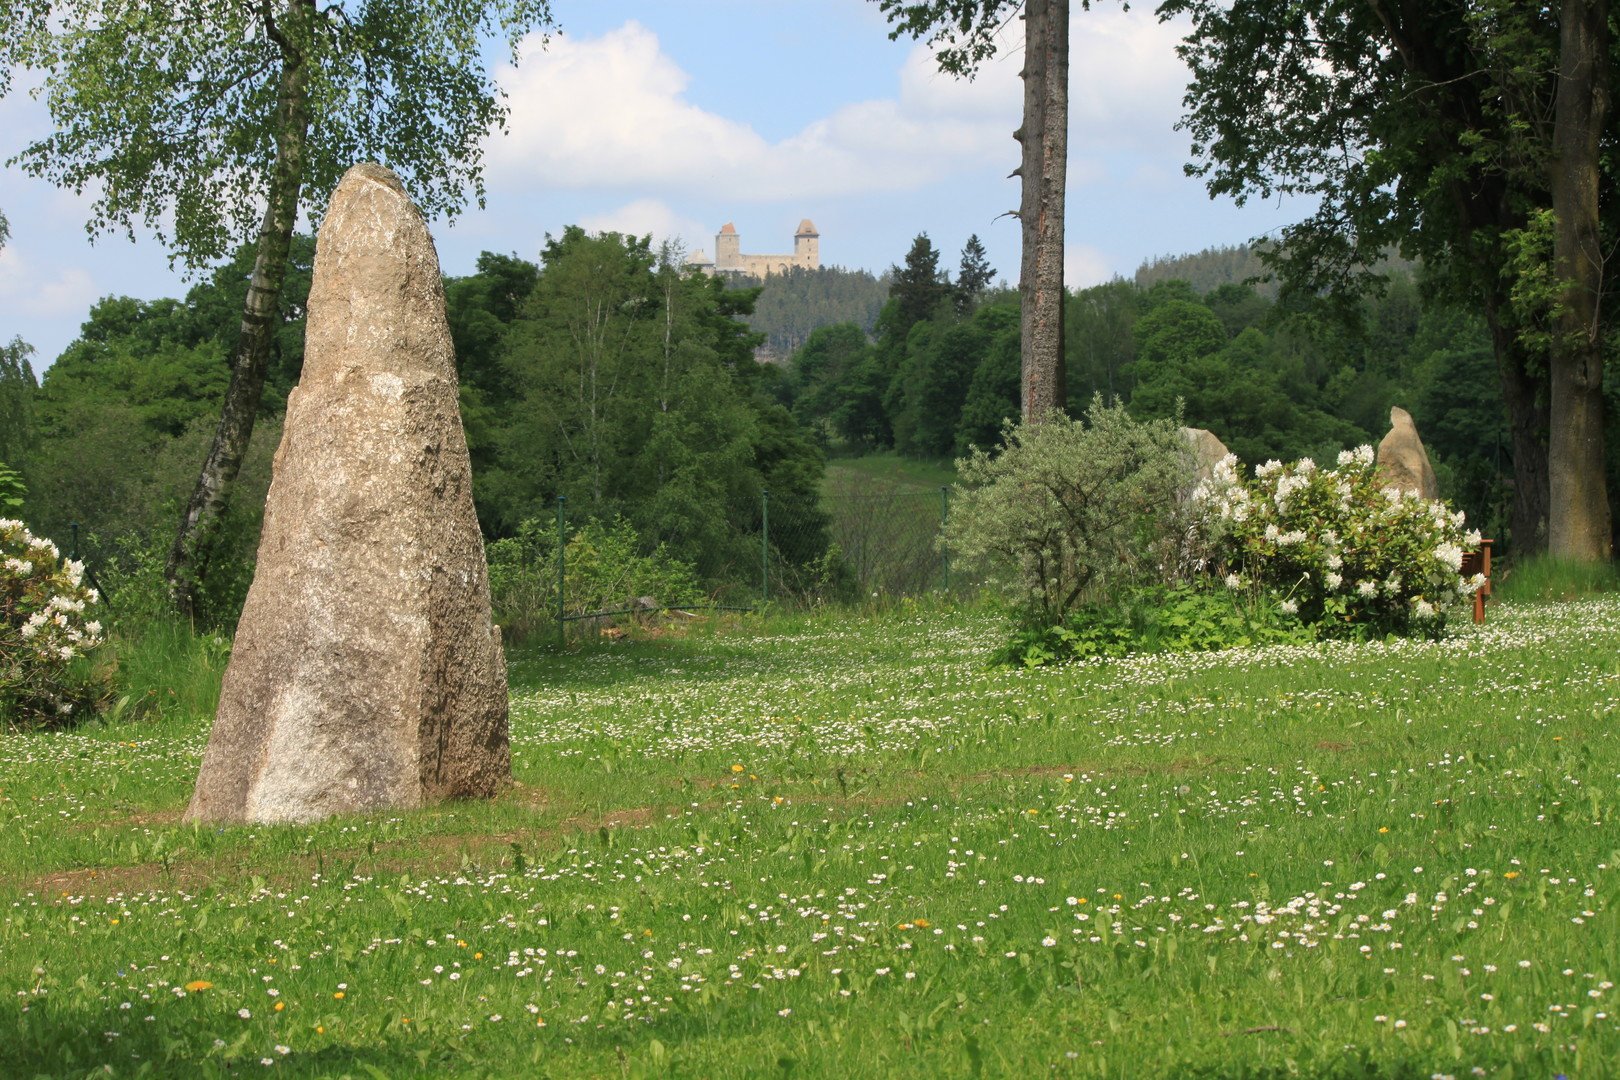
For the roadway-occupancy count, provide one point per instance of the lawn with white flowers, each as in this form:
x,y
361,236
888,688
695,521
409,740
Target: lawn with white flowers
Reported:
x,y
846,848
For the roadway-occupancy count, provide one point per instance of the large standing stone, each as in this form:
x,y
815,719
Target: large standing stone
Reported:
x,y
1402,461
366,671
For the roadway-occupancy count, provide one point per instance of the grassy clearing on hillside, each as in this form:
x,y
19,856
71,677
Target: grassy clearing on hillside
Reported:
x,y
851,473
848,849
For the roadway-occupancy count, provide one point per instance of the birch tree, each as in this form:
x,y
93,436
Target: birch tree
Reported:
x,y
212,123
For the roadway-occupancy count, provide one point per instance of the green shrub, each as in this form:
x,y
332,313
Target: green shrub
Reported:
x,y
1335,546
606,569
1150,619
47,631
1072,510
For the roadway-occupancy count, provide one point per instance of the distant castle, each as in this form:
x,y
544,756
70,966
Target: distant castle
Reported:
x,y
729,259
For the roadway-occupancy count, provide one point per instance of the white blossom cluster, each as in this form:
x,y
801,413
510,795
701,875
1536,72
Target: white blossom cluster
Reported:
x,y
1334,545
43,624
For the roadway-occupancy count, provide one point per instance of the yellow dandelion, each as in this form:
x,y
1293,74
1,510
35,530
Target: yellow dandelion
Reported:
x,y
280,1005
338,995
1511,874
1383,828
478,956
199,984
736,768
922,924
320,1029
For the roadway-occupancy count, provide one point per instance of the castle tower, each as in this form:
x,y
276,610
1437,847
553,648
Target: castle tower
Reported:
x,y
807,246
728,248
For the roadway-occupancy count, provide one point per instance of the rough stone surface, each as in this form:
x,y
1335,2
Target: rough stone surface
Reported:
x,y
1402,461
1207,450
366,671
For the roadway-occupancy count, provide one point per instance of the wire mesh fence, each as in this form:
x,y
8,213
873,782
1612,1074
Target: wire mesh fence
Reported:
x,y
877,543
568,572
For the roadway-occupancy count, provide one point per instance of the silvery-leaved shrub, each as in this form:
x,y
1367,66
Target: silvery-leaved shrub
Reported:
x,y
1335,545
1071,511
47,627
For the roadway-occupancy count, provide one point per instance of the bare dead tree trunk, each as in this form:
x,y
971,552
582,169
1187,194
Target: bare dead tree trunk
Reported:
x,y
251,356
1044,173
1578,524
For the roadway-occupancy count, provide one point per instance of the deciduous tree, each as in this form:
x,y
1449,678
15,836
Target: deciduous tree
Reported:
x,y
1448,130
208,122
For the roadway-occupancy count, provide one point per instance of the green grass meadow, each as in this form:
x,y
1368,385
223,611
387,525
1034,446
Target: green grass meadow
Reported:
x,y
838,847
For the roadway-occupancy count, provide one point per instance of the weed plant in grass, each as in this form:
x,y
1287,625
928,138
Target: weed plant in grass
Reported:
x,y
164,668
850,848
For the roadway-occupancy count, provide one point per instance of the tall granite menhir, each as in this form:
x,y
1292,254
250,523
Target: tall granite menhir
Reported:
x,y
367,672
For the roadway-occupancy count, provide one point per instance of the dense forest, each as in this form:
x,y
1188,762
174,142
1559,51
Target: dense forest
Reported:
x,y
792,305
1273,377
607,374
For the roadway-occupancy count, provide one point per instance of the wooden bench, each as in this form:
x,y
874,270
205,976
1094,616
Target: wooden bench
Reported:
x,y
1479,562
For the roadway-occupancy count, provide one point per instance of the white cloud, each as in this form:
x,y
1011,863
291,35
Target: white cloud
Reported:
x,y
1084,266
43,293
610,112
1125,80
654,216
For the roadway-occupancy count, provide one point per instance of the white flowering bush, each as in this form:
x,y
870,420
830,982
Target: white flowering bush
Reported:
x,y
1335,546
46,628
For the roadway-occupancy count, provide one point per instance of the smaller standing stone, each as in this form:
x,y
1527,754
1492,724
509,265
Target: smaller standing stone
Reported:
x,y
1403,464
1207,450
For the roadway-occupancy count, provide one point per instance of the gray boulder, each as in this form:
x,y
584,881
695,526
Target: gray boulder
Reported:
x,y
367,672
1402,462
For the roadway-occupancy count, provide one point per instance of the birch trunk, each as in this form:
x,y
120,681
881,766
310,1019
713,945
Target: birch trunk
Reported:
x,y
187,559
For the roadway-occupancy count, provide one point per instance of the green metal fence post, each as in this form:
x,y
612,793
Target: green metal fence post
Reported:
x,y
562,567
944,518
764,546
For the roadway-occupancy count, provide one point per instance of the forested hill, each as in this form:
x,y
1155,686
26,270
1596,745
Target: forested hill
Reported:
x,y
1239,264
1207,270
793,305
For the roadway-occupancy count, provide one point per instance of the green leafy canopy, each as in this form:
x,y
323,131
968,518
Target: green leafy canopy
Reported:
x,y
166,110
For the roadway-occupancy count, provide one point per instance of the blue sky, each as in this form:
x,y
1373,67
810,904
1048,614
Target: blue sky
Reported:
x,y
676,116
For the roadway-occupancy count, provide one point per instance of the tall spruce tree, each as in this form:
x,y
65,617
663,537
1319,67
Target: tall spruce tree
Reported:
x,y
973,275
